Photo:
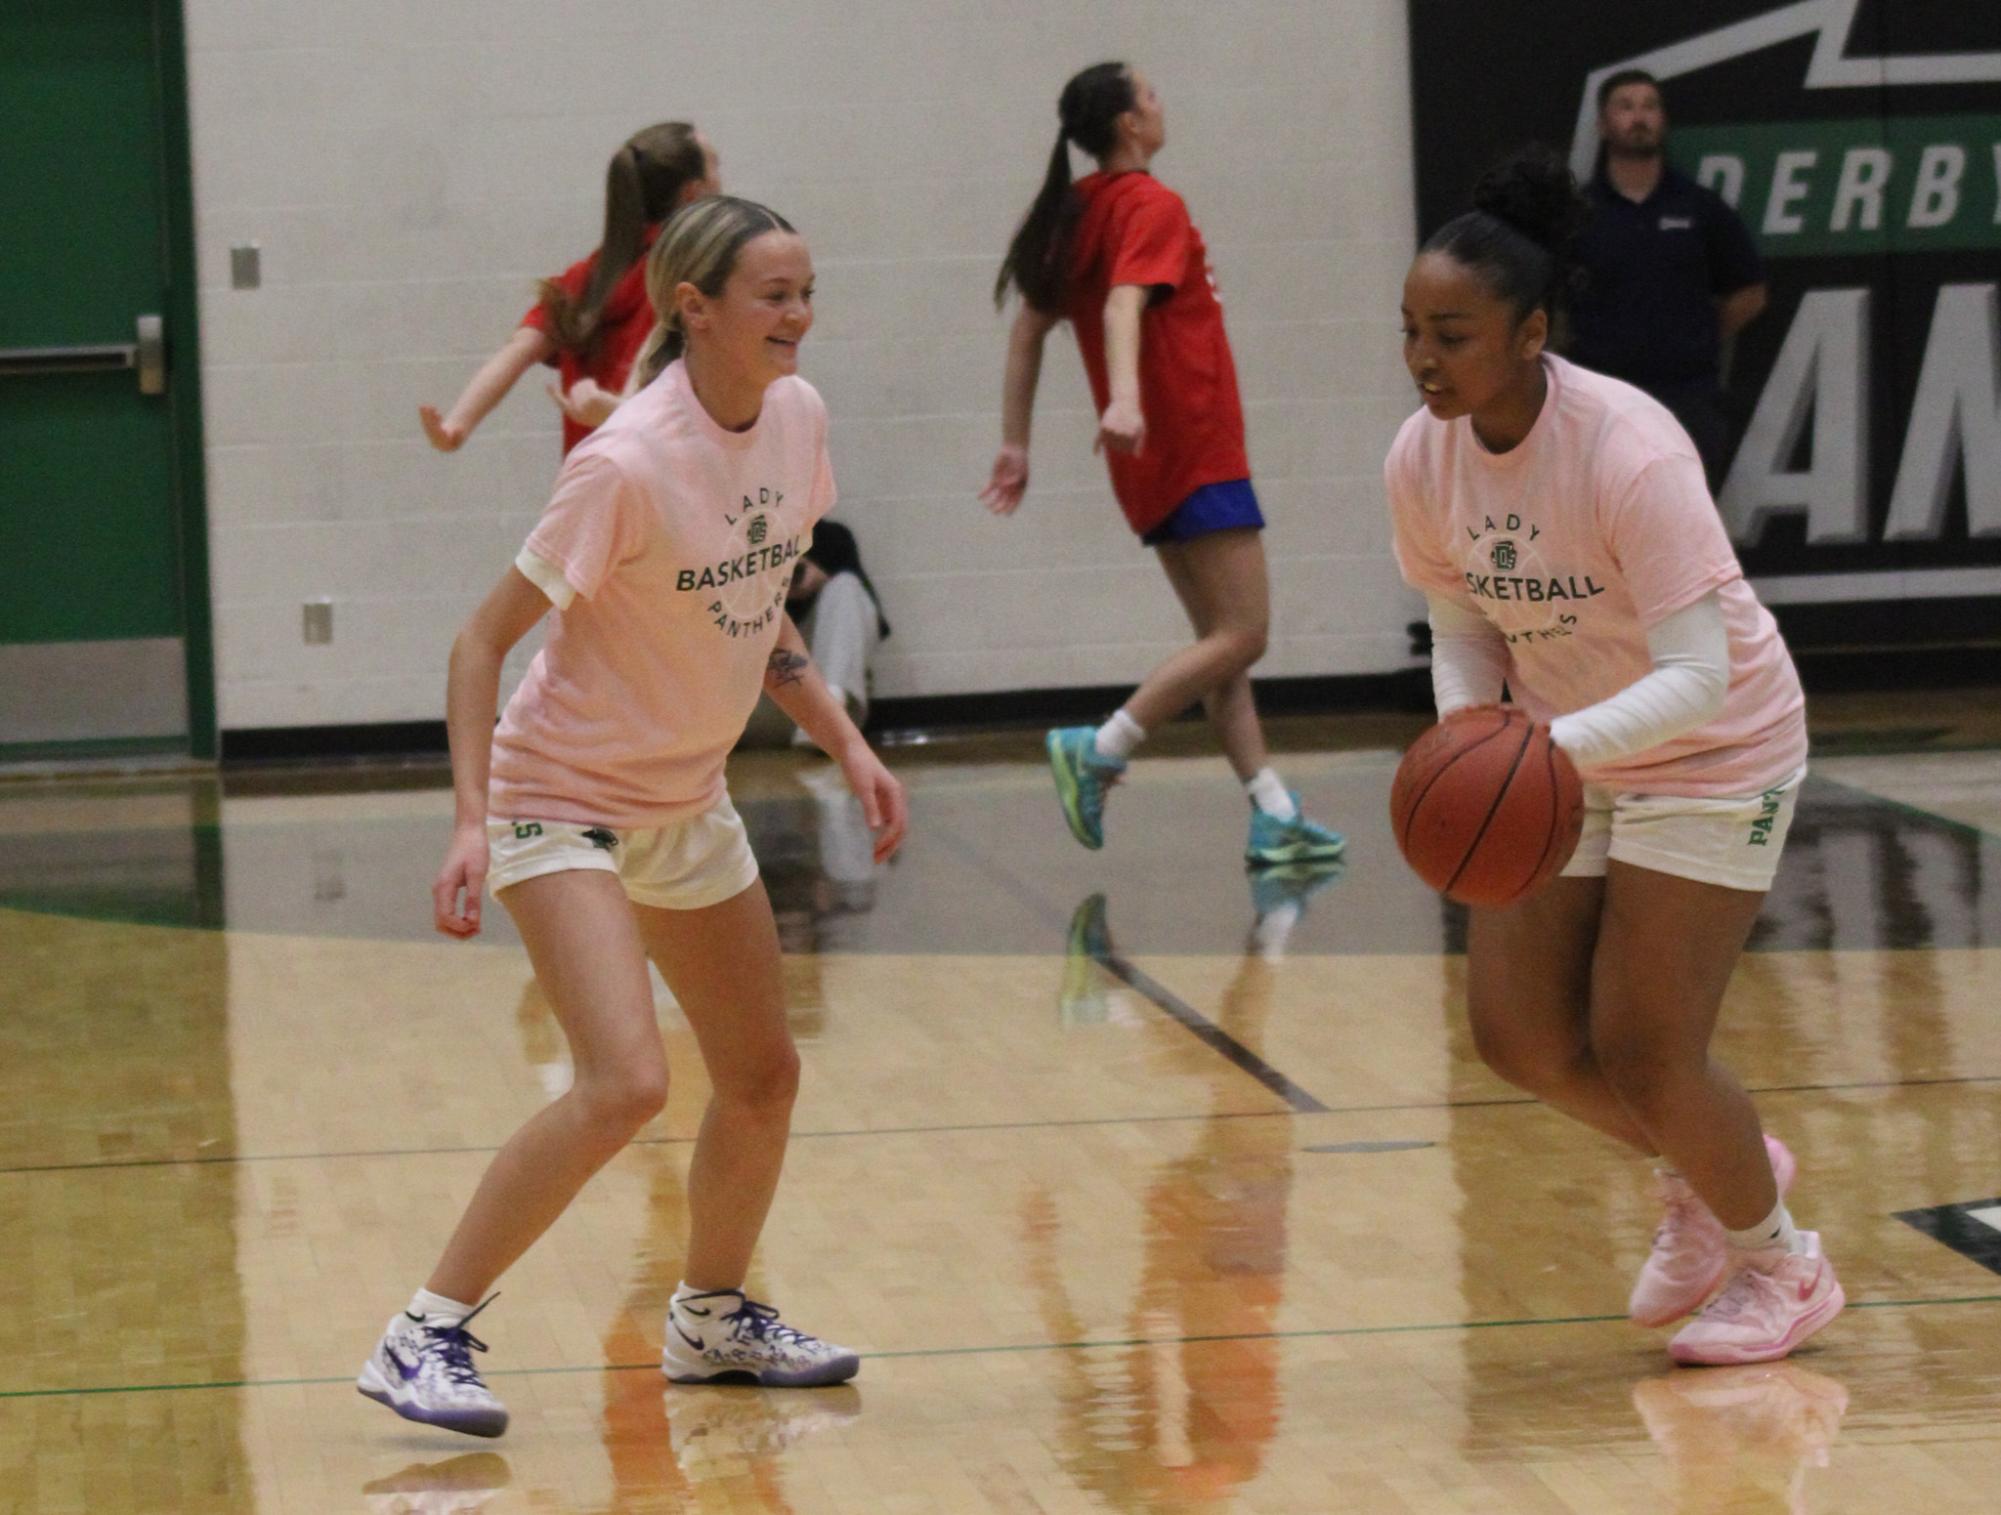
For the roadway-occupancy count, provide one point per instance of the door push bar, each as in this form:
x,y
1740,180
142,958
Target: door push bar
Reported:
x,y
148,354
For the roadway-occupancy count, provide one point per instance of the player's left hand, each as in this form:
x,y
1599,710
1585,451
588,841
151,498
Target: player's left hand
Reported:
x,y
884,804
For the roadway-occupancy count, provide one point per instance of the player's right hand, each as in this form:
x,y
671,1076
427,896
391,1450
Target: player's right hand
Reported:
x,y
1122,428
1009,481
464,870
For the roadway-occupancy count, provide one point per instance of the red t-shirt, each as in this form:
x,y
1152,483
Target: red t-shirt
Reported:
x,y
623,325
1135,230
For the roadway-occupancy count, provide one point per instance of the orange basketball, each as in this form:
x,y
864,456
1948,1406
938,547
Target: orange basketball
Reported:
x,y
1485,807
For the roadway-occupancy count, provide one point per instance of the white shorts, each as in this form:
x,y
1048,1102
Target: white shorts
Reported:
x,y
1734,841
687,865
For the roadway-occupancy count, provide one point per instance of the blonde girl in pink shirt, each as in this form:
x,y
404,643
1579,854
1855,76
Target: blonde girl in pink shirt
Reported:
x,y
597,812
1560,528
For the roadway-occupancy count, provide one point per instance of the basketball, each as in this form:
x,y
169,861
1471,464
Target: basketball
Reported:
x,y
1485,807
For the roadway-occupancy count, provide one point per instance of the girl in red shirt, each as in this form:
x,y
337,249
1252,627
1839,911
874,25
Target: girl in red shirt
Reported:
x,y
1116,255
592,318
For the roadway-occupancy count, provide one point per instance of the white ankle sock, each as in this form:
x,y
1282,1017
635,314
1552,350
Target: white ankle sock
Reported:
x,y
431,1308
1119,736
1268,793
682,1291
1775,1232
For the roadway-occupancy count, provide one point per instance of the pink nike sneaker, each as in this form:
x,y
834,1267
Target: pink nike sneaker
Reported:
x,y
1773,1302
1690,1260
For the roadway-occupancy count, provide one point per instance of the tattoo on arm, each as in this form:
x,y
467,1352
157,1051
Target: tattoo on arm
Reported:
x,y
786,667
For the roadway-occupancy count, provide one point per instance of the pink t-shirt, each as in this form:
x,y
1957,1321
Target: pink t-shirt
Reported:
x,y
1575,542
674,540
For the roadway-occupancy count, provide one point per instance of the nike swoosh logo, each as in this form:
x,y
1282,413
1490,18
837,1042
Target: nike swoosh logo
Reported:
x,y
407,1369
1807,1288
693,1341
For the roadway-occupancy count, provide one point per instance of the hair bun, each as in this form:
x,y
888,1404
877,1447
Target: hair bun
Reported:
x,y
1534,191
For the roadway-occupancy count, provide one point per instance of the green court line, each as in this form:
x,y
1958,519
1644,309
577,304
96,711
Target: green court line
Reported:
x,y
659,1141
1332,1333
1411,1108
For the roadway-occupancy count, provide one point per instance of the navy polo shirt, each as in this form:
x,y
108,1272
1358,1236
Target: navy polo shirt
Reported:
x,y
1653,273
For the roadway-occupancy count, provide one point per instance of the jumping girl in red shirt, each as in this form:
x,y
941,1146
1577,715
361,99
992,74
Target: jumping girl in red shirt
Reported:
x,y
1116,255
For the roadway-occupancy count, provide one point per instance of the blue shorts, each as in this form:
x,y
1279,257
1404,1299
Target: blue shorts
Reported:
x,y
1213,507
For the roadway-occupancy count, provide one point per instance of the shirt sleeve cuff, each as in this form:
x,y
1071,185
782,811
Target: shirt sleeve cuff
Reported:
x,y
545,576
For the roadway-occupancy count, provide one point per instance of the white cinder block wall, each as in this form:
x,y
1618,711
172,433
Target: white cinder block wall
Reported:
x,y
409,168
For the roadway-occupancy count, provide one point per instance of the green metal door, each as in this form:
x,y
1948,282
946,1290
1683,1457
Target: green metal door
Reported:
x,y
101,550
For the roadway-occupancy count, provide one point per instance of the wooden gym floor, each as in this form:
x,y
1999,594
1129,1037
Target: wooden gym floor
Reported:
x,y
1135,1200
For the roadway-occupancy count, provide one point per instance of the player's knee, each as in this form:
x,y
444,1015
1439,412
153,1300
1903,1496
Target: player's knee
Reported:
x,y
1514,1064
1637,1067
615,1106
1246,645
768,1086
1527,1064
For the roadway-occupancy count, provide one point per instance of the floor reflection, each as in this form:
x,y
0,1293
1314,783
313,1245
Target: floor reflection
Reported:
x,y
1862,872
155,859
120,1248
1179,1416
454,1486
703,1448
817,856
985,851
675,1448
1095,1272
1740,1441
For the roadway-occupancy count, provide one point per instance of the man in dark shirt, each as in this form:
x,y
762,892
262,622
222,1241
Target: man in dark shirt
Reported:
x,y
1670,271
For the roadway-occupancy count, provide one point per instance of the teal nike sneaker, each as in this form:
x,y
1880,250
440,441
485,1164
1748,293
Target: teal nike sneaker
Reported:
x,y
1298,840
1083,775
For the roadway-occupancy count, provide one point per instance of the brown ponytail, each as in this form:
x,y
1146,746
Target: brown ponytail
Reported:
x,y
643,186
1037,261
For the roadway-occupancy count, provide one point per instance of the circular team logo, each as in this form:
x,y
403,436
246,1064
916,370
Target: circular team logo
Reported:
x,y
743,595
747,598
1508,572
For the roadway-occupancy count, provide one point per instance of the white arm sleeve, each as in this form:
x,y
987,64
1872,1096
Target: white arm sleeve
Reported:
x,y
1469,656
1691,676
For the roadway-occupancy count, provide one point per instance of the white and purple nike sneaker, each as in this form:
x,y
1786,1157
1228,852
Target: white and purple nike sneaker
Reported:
x,y
422,1369
723,1337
